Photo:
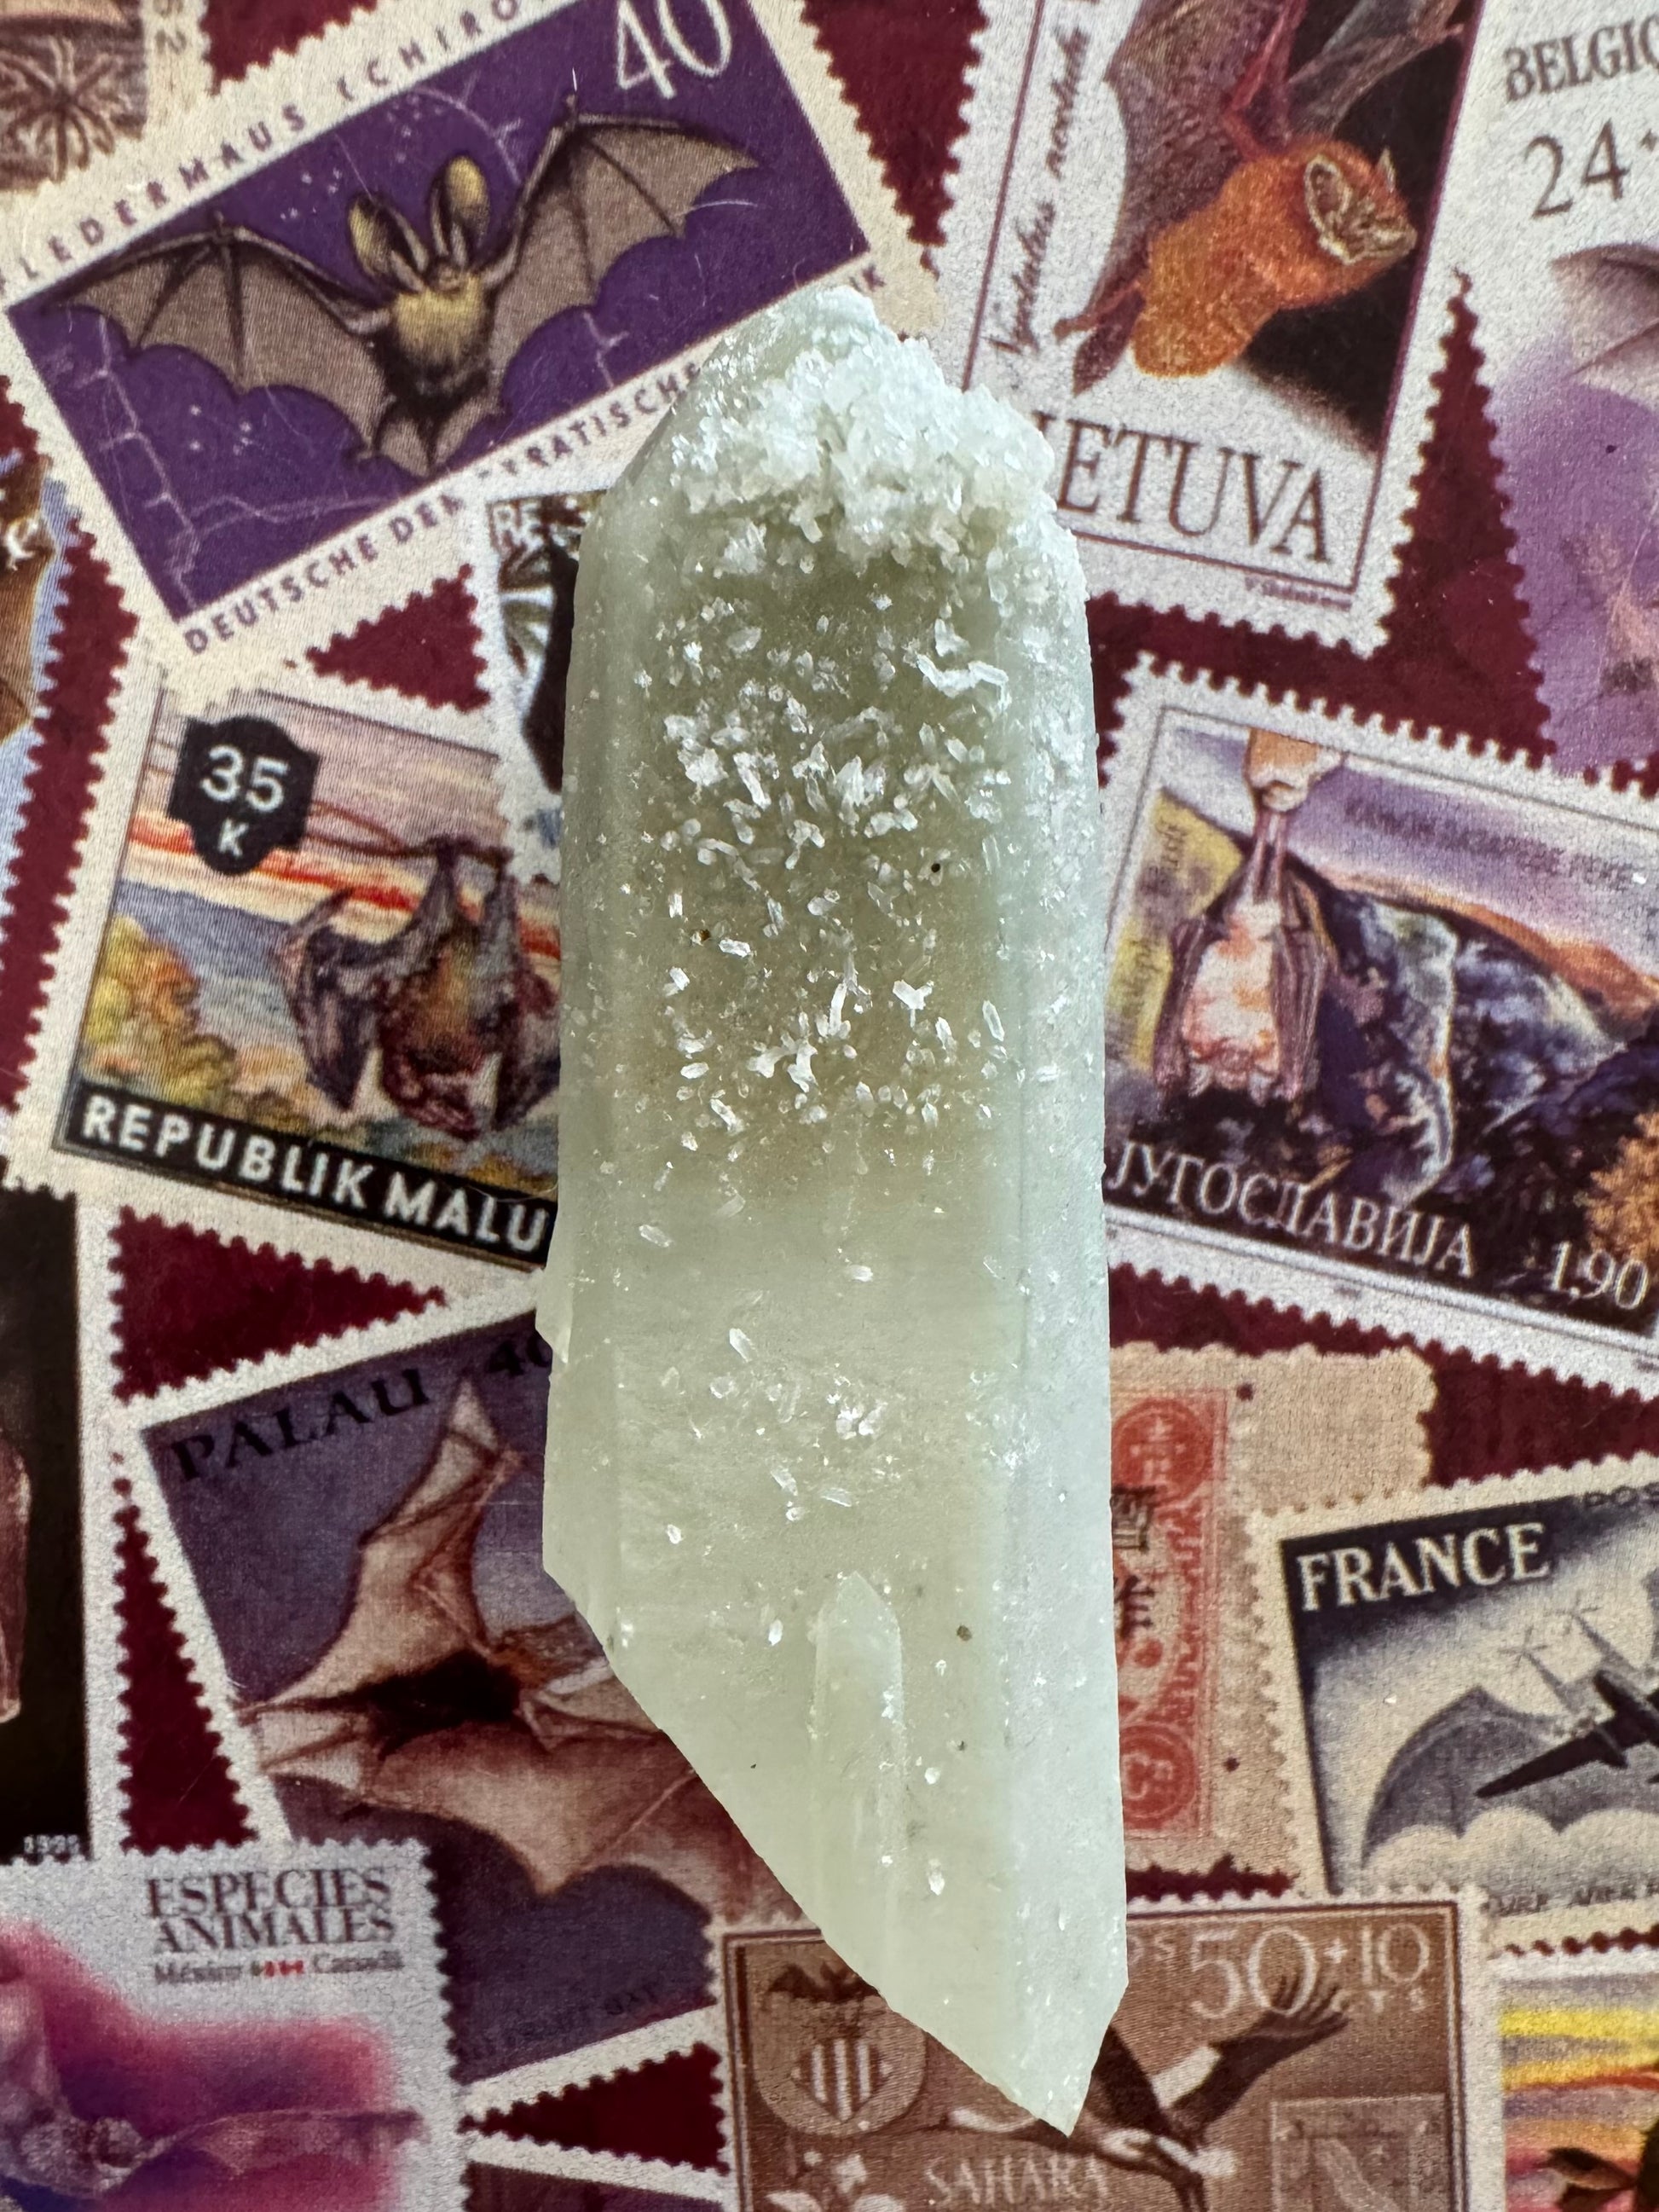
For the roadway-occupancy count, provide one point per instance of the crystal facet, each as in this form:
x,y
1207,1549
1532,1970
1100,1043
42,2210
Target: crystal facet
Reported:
x,y
828,1455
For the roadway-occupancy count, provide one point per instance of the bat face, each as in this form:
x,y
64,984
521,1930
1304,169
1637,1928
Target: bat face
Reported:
x,y
1290,229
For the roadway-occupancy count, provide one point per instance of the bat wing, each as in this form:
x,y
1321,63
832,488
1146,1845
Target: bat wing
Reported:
x,y
258,312
1373,40
1433,1780
1174,73
512,1007
245,2142
599,187
412,1605
337,987
563,1805
1610,297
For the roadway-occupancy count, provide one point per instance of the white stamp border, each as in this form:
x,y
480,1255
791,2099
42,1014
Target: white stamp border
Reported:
x,y
1476,2085
904,296
28,771
35,1159
1161,577
1291,1749
1280,1275
425,2065
1240,1699
504,1301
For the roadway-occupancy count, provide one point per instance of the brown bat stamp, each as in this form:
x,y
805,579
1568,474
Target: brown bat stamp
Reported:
x,y
1282,2058
1219,324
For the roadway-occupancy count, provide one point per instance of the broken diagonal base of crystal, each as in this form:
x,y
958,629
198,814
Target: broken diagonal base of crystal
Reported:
x,y
828,1452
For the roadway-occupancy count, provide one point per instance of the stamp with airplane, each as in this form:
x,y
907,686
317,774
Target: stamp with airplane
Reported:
x,y
1465,1689
1278,2056
1199,1440
1188,238
1382,1029
350,1540
269,347
306,968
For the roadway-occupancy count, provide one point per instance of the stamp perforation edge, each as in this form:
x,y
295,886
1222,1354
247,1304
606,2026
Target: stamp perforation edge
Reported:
x,y
503,1303
351,51
1473,2014
1291,1747
35,1159
1176,1251
1167,578
1240,1824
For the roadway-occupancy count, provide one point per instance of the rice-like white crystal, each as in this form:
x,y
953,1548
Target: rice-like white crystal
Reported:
x,y
827,1292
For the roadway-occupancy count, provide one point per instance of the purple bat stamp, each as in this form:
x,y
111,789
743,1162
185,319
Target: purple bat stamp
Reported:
x,y
505,234
1551,221
170,2028
354,1551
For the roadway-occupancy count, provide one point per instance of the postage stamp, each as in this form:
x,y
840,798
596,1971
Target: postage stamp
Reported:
x,y
57,1734
1199,1440
1576,2043
525,548
352,1541
1188,240
569,2181
1468,1690
303,970
483,233
170,2027
35,529
77,77
1382,1029
1552,216
1295,2057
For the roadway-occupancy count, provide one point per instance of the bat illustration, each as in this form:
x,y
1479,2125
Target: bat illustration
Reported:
x,y
417,361
14,1498
1157,2125
1239,198
26,551
1593,2181
1241,1009
1477,1749
445,999
45,2144
524,1734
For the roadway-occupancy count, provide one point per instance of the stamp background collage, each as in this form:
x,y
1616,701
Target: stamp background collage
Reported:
x,y
581,2015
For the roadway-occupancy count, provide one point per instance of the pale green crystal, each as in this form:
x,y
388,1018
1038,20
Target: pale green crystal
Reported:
x,y
828,1452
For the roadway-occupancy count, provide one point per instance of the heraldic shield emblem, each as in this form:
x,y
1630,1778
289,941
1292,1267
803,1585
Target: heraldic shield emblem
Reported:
x,y
828,2056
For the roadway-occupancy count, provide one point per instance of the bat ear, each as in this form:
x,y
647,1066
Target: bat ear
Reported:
x,y
460,210
388,249
1385,170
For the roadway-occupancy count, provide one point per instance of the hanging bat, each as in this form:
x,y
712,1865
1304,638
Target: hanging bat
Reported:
x,y
45,2144
443,998
26,551
1239,198
525,1735
417,361
15,1499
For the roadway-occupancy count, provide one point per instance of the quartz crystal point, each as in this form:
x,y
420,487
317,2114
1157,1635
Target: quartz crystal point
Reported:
x,y
827,1453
